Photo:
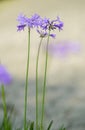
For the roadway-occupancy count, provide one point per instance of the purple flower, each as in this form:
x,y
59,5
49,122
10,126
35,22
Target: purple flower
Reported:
x,y
44,33
47,24
58,23
64,48
40,23
53,35
23,21
5,77
35,20
28,22
21,27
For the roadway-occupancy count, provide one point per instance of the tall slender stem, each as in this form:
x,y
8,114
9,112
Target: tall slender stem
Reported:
x,y
26,82
37,60
4,107
44,84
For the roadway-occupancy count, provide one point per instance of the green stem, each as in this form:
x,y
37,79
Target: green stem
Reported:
x,y
44,84
37,60
4,107
26,83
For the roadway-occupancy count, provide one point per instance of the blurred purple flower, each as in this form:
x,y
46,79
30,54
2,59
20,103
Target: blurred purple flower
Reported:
x,y
64,48
53,35
44,33
20,27
47,24
29,22
5,77
23,21
35,20
41,23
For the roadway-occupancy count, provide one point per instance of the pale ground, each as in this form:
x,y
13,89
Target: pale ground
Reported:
x,y
65,102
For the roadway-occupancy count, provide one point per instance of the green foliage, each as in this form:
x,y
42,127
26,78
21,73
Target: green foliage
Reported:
x,y
49,126
62,128
29,125
9,124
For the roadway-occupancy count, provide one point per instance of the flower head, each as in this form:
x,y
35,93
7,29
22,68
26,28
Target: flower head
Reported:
x,y
21,27
48,24
44,33
28,22
36,21
5,77
23,21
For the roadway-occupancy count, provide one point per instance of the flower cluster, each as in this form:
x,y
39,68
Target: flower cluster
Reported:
x,y
48,24
42,25
29,22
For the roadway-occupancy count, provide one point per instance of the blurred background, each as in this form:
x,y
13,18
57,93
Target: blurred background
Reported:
x,y
65,100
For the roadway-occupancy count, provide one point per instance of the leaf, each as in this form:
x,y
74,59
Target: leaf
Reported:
x,y
62,128
32,126
50,125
